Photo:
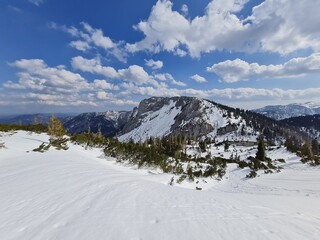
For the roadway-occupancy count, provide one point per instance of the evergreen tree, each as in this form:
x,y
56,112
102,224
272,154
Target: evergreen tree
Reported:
x,y
315,147
226,146
261,153
306,151
55,128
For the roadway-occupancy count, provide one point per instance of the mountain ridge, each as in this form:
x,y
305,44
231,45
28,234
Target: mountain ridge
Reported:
x,y
280,112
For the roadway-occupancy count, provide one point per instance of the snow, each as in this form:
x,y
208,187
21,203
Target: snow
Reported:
x,y
78,194
312,105
155,124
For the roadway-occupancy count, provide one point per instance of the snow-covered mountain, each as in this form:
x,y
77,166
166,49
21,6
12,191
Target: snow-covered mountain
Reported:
x,y
109,123
280,112
189,116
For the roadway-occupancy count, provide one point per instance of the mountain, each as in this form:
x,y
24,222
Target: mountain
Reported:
x,y
109,123
42,118
194,118
280,112
310,124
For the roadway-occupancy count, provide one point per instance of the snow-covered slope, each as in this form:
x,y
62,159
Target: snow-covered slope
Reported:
x,y
279,112
78,195
154,124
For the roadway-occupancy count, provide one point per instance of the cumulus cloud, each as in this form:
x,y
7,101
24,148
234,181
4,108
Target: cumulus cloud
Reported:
x,y
185,10
43,85
80,45
55,86
104,85
38,76
154,64
133,73
92,38
93,66
198,78
286,26
36,2
277,26
97,37
168,77
237,70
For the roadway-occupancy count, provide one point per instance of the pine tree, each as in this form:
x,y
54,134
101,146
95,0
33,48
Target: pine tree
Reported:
x,y
55,128
226,146
261,153
315,147
306,151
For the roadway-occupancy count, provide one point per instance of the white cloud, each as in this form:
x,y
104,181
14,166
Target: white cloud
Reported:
x,y
97,37
164,30
93,66
198,78
237,70
43,86
133,73
36,75
185,10
168,30
286,26
36,2
136,74
80,45
154,64
277,26
170,78
101,95
92,38
104,85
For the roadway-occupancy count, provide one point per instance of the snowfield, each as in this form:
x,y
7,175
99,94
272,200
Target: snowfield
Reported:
x,y
79,194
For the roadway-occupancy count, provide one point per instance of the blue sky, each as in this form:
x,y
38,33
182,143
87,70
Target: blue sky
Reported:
x,y
78,56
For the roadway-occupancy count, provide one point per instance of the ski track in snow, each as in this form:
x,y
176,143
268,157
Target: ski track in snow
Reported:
x,y
77,194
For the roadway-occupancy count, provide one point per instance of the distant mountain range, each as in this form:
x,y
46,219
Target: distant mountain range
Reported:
x,y
42,118
189,116
280,112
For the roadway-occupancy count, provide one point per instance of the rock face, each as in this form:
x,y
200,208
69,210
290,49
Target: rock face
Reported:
x,y
109,123
188,116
